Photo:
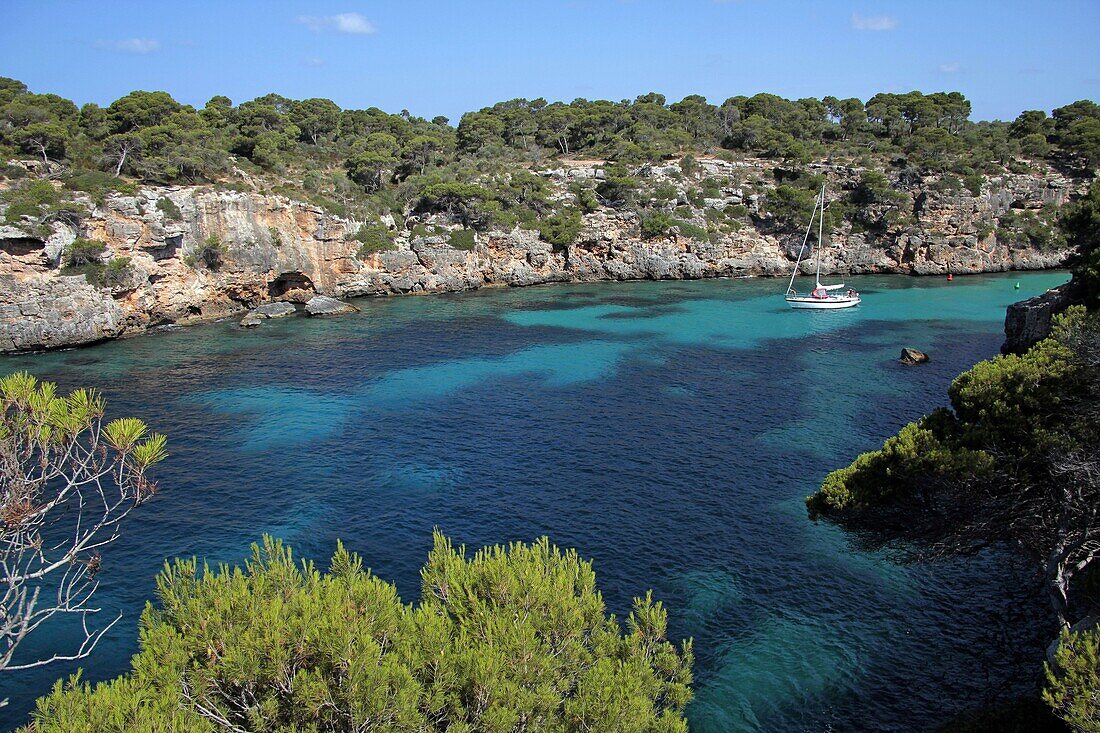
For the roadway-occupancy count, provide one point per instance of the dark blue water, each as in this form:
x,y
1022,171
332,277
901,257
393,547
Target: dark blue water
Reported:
x,y
669,431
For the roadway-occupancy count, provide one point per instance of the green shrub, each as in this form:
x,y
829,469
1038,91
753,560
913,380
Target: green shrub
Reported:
x,y
169,209
790,206
91,271
422,230
561,229
464,239
33,198
712,188
509,636
973,183
373,238
1010,405
691,231
617,189
210,253
98,184
12,172
915,455
1073,682
1029,229
874,188
656,224
665,193
1079,224
948,184
688,165
586,197
116,273
84,252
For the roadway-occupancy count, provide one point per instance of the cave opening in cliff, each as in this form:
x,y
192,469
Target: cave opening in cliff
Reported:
x,y
292,286
20,246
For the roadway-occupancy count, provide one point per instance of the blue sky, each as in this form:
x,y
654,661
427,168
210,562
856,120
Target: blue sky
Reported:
x,y
449,56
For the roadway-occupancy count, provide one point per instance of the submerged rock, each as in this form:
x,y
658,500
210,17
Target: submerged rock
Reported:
x,y
913,356
322,305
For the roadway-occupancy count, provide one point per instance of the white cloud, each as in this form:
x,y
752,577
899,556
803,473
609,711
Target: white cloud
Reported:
x,y
314,61
140,46
873,22
341,23
950,68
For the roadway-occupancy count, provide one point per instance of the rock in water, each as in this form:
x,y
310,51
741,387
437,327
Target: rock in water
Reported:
x,y
912,356
321,305
274,310
257,315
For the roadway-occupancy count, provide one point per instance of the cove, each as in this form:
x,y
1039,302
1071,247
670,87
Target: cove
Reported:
x,y
667,430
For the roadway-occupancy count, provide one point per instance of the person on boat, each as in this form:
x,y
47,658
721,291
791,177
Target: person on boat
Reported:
x,y
851,293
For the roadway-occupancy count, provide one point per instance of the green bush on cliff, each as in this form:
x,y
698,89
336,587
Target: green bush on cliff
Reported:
x,y
169,208
84,252
98,184
373,238
116,273
691,231
512,638
210,252
465,239
561,229
1073,681
655,224
32,198
1011,405
919,453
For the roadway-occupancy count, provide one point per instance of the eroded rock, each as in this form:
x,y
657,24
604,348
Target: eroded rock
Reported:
x,y
54,313
322,305
913,357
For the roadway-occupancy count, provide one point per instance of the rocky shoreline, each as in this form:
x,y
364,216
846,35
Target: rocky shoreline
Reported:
x,y
280,250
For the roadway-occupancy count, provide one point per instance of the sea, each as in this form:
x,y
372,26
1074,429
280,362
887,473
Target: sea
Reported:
x,y
669,431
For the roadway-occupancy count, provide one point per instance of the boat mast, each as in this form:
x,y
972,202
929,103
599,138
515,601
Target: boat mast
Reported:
x,y
820,229
802,250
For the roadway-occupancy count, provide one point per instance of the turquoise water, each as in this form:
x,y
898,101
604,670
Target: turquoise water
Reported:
x,y
669,431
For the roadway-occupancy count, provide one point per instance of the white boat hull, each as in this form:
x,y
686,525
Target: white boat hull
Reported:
x,y
830,303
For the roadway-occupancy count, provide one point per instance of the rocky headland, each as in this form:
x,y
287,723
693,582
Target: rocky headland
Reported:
x,y
275,249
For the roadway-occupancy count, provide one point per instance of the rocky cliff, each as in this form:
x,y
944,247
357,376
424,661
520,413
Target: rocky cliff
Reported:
x,y
278,249
1028,322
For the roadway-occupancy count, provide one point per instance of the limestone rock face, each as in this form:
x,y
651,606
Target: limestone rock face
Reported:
x,y
322,305
278,250
1029,321
55,312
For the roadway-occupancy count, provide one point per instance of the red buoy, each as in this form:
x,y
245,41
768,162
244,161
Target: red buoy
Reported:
x,y
950,277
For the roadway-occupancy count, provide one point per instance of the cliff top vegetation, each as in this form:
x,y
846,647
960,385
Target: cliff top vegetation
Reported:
x,y
367,160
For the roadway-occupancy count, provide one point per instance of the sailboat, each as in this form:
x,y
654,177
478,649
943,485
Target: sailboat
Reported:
x,y
822,297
